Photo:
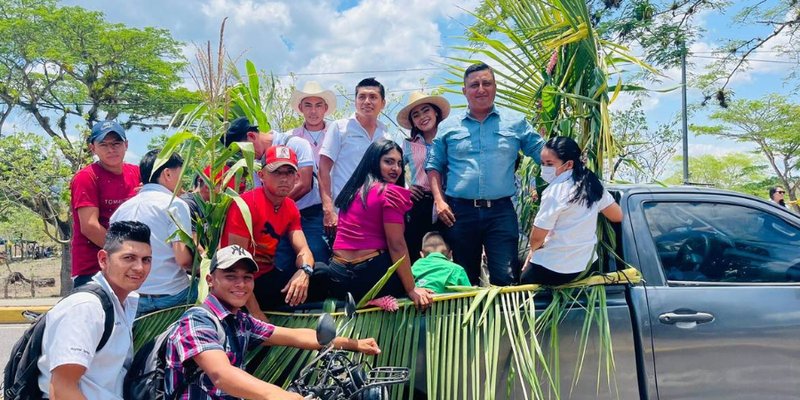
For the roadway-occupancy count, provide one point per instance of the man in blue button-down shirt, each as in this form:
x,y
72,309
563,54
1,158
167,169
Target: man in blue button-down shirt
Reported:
x,y
477,151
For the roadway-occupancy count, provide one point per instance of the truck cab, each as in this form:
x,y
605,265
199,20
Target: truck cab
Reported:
x,y
718,313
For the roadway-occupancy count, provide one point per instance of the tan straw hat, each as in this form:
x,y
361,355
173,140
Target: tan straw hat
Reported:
x,y
416,98
313,89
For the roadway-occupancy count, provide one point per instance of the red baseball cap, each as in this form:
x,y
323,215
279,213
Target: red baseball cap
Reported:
x,y
278,156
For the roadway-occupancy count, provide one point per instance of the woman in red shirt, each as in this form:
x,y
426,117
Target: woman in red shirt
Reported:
x,y
369,237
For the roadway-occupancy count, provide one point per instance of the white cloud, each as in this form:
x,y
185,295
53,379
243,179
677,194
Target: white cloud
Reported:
x,y
246,12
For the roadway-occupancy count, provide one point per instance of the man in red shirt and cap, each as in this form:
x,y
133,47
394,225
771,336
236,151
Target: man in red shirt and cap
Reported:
x,y
272,215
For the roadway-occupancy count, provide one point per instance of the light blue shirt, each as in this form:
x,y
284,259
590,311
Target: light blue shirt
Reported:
x,y
479,157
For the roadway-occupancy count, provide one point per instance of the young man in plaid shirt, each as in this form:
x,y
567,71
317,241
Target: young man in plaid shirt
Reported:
x,y
195,339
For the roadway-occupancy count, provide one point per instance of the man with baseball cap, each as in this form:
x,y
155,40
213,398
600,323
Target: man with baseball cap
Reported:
x,y
96,192
222,362
241,130
272,216
314,103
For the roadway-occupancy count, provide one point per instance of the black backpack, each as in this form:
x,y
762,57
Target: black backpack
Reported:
x,y
145,378
21,375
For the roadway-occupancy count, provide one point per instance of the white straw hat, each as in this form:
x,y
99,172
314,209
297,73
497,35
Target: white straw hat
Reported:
x,y
313,89
416,98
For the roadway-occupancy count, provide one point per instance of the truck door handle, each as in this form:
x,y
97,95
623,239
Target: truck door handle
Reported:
x,y
685,317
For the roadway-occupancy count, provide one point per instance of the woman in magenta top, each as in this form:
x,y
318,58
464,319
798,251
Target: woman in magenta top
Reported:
x,y
369,238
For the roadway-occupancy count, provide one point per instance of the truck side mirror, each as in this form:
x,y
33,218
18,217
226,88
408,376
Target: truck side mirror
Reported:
x,y
326,329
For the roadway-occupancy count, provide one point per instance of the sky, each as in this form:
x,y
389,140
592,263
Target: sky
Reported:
x,y
339,42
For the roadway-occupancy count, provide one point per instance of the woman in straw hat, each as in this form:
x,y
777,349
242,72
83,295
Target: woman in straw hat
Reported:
x,y
422,116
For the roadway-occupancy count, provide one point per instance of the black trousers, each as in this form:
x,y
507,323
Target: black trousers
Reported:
x,y
538,274
418,223
337,279
494,230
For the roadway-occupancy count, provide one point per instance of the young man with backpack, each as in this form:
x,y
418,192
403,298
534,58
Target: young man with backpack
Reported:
x,y
71,366
194,342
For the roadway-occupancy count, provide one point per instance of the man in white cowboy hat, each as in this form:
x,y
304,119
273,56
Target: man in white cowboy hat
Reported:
x,y
314,103
421,116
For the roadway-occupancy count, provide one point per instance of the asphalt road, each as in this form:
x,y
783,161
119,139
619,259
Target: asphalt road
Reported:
x,y
8,336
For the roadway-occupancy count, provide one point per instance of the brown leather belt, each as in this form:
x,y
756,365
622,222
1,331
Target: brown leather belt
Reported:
x,y
359,260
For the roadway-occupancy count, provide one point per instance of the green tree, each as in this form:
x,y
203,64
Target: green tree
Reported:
x,y
644,153
664,29
34,176
62,66
772,124
740,172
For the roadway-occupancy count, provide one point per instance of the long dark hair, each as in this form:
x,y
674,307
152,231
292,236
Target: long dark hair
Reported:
x,y
414,130
589,188
367,173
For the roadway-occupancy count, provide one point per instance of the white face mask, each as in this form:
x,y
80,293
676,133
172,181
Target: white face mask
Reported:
x,y
548,173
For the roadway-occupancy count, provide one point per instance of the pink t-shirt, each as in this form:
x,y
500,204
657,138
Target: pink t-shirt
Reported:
x,y
361,228
94,186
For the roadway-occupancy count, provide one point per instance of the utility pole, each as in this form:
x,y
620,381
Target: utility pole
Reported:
x,y
684,116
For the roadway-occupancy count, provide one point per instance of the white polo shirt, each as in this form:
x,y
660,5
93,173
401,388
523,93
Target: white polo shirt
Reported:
x,y
155,207
73,330
569,246
345,144
305,158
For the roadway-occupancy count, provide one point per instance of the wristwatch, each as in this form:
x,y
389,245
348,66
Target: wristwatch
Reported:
x,y
307,269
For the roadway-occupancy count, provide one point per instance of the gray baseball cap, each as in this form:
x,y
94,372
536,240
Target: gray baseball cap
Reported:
x,y
227,257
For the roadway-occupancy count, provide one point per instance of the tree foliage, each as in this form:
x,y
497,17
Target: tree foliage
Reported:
x,y
65,68
739,172
58,63
34,175
772,124
644,152
665,29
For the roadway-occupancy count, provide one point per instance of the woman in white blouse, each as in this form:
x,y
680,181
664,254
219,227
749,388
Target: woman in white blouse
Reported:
x,y
564,235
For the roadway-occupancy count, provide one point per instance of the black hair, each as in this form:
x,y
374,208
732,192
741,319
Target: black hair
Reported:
x,y
774,190
198,181
414,130
481,66
121,231
370,82
368,172
589,188
148,161
432,242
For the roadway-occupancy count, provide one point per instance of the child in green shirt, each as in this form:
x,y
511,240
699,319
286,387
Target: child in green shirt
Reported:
x,y
434,270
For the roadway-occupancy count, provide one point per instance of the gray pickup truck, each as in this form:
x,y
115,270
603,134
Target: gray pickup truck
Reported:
x,y
718,313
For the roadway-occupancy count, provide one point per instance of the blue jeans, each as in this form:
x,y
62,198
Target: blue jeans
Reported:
x,y
152,304
311,222
494,230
